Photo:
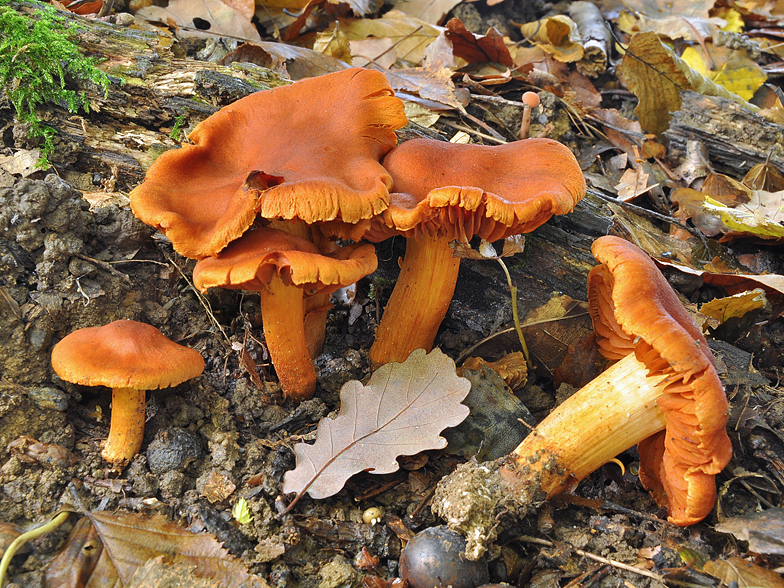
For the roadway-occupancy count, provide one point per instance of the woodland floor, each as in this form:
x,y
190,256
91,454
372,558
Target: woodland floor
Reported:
x,y
221,436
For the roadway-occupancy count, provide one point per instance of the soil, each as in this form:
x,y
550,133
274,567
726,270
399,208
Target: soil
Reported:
x,y
66,264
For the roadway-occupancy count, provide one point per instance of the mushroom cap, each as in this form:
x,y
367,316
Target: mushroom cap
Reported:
x,y
124,354
322,136
249,262
459,191
634,309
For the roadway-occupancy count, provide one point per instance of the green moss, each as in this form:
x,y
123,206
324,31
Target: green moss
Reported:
x,y
37,52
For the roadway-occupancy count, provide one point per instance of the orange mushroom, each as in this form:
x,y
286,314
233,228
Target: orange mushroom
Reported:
x,y
446,191
284,268
323,137
663,395
130,358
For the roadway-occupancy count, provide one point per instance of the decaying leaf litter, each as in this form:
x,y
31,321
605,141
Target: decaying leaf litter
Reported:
x,y
74,256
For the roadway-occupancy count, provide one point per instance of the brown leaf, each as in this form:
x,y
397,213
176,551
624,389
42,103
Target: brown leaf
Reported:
x,y
745,573
556,330
476,48
107,549
651,74
191,15
156,573
763,530
401,411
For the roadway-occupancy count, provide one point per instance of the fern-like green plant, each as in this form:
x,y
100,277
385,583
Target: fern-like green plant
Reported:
x,y
36,54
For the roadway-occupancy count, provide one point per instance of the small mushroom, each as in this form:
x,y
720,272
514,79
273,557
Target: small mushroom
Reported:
x,y
446,191
129,357
530,101
284,269
322,137
663,395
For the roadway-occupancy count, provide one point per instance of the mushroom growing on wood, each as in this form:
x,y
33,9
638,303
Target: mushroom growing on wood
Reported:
x,y
129,357
446,191
283,269
323,137
663,395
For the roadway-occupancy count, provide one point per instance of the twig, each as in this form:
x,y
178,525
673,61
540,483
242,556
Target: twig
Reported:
x,y
599,558
105,266
202,300
466,129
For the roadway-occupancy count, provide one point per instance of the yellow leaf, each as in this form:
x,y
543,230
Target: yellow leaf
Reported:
x,y
657,76
555,35
694,60
723,309
734,20
762,216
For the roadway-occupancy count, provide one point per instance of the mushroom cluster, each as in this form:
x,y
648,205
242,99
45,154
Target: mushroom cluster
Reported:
x,y
284,160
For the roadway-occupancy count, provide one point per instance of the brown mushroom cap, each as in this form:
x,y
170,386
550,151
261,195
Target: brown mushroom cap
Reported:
x,y
634,309
324,136
124,354
250,262
460,191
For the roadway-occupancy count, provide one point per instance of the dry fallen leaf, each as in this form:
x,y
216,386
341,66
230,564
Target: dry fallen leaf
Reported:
x,y
107,550
203,16
477,48
657,76
743,573
763,530
401,411
762,216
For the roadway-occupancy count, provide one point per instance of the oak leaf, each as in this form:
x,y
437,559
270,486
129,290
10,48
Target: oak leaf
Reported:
x,y
401,411
108,549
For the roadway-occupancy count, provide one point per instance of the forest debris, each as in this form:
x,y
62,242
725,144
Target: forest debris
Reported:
x,y
734,315
594,37
113,547
429,11
656,75
763,530
219,17
731,69
556,35
477,48
743,573
736,139
762,216
401,411
494,428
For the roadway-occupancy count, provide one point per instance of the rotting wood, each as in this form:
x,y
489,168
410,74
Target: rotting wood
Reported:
x,y
736,138
151,90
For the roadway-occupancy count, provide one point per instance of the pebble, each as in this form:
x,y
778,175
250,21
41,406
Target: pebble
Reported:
x,y
173,449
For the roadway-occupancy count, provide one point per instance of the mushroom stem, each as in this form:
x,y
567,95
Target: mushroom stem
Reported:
x,y
607,416
419,301
610,414
126,431
282,311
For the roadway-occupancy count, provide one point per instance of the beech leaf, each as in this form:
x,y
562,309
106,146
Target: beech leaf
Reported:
x,y
401,411
107,549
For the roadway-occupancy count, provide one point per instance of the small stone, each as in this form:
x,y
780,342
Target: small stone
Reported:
x,y
48,398
173,449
